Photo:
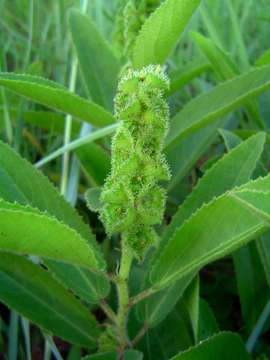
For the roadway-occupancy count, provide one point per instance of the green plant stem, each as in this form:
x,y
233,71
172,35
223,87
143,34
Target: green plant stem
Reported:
x,y
123,297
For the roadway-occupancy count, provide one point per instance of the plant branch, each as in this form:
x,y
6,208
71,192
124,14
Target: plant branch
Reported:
x,y
108,311
141,296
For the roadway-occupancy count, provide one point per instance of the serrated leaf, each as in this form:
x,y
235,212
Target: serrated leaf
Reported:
x,y
233,169
161,31
215,230
98,64
57,97
41,235
21,182
223,346
211,106
31,291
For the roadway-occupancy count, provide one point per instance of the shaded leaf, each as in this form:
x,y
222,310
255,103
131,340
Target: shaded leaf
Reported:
x,y
32,292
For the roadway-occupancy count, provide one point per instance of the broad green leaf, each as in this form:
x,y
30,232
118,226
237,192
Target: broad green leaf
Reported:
x,y
223,346
215,230
41,235
128,355
98,64
211,106
250,276
95,162
21,182
31,291
161,31
55,96
225,69
233,169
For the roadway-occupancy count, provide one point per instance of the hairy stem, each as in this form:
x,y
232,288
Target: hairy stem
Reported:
x,y
123,296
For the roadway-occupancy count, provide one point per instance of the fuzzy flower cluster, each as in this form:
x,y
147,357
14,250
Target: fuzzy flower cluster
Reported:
x,y
133,201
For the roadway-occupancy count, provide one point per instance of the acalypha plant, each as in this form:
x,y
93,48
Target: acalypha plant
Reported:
x,y
181,184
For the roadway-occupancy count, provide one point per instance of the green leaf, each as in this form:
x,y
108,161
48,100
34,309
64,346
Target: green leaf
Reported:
x,y
161,31
98,64
31,291
223,346
55,96
95,162
225,69
21,182
209,107
233,169
215,230
41,235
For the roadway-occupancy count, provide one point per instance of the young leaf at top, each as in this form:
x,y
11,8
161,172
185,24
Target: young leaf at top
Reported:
x,y
161,31
98,64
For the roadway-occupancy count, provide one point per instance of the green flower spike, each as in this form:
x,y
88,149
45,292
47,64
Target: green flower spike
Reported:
x,y
132,199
